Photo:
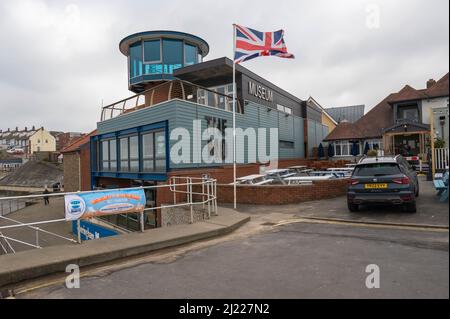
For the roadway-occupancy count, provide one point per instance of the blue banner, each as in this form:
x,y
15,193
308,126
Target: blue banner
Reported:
x,y
92,204
90,231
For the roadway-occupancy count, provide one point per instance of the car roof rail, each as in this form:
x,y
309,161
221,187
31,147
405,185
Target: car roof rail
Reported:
x,y
363,157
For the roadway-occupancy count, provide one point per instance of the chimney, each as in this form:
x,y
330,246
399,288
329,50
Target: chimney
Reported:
x,y
17,129
34,128
430,83
26,129
8,129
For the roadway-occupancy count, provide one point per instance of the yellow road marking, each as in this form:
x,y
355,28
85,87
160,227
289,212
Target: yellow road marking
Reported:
x,y
359,224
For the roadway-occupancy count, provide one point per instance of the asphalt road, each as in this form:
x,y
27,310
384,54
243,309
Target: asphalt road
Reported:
x,y
296,260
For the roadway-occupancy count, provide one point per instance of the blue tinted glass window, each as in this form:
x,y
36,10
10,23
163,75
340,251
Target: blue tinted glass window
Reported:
x,y
190,54
155,68
173,55
152,51
135,60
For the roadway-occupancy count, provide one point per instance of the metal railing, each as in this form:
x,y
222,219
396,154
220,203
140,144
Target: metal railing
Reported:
x,y
441,158
192,192
175,89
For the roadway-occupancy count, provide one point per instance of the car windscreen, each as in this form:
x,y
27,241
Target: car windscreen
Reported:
x,y
377,169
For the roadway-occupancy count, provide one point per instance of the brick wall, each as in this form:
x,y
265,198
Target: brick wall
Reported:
x,y
282,194
85,168
71,166
225,174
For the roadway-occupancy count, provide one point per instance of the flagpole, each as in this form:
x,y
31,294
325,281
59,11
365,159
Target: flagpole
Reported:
x,y
234,118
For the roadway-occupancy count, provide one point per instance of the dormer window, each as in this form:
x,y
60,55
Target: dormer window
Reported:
x,y
408,112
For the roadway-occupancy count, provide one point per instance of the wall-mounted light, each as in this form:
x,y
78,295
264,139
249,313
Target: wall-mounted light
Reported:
x,y
269,109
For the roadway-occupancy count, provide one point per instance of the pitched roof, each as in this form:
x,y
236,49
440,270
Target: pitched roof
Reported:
x,y
439,89
78,143
343,131
380,117
312,101
408,93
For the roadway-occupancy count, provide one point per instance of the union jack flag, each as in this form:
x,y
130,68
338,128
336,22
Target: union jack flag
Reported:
x,y
251,44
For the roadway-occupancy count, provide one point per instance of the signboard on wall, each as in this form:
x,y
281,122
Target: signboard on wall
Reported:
x,y
90,231
93,204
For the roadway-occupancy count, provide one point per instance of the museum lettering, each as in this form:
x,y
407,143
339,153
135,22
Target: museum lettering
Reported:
x,y
260,92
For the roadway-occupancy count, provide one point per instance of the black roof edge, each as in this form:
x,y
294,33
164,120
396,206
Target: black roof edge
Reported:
x,y
239,69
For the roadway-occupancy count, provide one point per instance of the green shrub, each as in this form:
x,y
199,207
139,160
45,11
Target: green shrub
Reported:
x,y
439,143
372,153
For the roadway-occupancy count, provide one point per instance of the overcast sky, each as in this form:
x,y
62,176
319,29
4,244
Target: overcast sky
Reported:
x,y
59,59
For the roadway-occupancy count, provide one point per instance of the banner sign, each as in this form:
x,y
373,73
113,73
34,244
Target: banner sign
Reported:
x,y
88,205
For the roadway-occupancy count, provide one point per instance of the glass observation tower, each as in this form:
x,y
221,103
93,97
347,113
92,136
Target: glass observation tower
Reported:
x,y
154,55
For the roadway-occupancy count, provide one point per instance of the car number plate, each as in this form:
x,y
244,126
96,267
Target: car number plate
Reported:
x,y
375,186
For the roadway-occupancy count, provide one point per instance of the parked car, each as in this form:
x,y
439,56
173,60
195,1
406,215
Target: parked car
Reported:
x,y
383,180
16,151
56,187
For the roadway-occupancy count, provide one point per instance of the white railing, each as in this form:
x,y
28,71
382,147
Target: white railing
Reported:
x,y
441,158
205,189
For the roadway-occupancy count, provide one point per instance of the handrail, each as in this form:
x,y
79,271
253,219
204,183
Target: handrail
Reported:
x,y
120,106
208,194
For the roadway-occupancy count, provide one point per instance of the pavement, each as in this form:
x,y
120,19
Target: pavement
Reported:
x,y
39,262
429,210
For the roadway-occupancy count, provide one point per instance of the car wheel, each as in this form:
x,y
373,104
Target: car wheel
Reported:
x,y
353,207
411,207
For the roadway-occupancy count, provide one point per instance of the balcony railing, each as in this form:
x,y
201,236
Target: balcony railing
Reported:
x,y
167,91
407,121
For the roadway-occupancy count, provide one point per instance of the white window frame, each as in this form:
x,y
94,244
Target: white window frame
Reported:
x,y
203,95
284,109
372,142
342,143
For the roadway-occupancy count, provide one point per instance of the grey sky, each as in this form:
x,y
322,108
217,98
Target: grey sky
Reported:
x,y
59,59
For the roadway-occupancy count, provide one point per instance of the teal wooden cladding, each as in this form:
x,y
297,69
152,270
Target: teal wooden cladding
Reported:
x,y
180,114
316,133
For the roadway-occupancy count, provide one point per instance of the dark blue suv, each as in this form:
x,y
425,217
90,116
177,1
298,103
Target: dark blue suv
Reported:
x,y
383,180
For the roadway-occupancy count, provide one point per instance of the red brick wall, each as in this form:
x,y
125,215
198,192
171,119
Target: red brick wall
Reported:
x,y
282,194
85,168
225,174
